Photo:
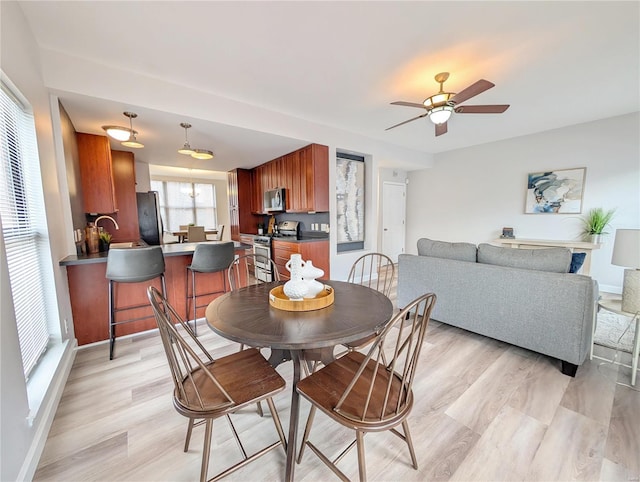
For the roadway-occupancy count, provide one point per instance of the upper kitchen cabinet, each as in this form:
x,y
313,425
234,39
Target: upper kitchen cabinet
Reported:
x,y
303,173
97,174
308,179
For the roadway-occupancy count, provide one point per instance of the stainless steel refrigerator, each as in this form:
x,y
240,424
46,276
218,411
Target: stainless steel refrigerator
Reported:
x,y
149,218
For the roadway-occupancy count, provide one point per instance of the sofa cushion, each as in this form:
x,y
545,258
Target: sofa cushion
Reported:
x,y
555,260
442,249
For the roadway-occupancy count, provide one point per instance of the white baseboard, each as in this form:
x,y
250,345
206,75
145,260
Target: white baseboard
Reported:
x,y
46,411
611,289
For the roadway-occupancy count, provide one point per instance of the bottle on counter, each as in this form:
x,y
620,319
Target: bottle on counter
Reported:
x,y
93,240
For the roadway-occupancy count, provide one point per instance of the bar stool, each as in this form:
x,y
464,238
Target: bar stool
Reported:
x,y
207,258
131,265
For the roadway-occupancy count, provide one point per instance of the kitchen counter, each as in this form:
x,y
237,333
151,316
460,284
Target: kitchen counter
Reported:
x,y
177,249
89,290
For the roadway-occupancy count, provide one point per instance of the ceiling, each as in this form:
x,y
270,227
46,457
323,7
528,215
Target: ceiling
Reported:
x,y
339,65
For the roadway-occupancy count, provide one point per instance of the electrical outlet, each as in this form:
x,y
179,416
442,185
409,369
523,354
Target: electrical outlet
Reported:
x,y
66,326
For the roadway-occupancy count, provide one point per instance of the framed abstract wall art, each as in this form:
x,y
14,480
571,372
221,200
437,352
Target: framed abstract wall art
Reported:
x,y
555,192
349,201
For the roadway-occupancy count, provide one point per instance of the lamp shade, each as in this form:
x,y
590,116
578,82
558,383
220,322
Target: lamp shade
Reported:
x,y
626,248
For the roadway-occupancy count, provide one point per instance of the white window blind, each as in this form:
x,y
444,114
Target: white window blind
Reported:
x,y
23,227
184,203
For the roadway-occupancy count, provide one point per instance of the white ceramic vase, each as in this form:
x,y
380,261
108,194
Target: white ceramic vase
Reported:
x,y
309,275
296,288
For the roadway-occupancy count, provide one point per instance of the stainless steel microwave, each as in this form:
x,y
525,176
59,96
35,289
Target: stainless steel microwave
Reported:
x,y
274,200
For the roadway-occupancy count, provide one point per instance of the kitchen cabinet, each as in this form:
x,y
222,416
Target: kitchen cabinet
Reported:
x,y
239,190
124,183
96,173
303,173
257,191
316,251
314,170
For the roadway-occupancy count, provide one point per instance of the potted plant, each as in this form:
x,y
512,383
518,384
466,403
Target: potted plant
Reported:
x,y
595,223
105,240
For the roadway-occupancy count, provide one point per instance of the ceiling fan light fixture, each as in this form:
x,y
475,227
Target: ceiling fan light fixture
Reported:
x,y
437,99
202,154
440,115
118,133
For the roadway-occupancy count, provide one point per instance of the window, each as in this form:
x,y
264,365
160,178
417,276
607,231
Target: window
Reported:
x,y
24,228
183,203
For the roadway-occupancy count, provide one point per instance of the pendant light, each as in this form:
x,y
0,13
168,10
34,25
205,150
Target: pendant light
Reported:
x,y
132,141
118,133
202,154
186,148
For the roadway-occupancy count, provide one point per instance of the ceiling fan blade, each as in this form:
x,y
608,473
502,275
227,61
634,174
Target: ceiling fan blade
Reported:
x,y
474,89
408,104
441,129
407,121
482,109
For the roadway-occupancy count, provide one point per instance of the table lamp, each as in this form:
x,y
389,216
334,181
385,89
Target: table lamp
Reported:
x,y
626,252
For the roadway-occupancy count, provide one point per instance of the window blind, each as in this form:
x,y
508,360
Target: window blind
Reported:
x,y
24,227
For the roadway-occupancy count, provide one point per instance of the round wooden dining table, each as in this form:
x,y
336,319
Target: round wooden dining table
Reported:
x,y
245,316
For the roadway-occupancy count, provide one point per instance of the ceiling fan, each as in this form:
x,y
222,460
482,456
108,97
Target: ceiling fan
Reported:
x,y
440,106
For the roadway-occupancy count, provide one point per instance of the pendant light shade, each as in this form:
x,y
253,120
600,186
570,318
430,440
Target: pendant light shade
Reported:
x,y
202,154
186,148
118,133
131,140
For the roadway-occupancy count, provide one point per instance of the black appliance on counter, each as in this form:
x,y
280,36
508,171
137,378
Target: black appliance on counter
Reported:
x,y
149,219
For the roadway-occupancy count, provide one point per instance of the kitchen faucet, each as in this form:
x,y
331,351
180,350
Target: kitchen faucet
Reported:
x,y
106,217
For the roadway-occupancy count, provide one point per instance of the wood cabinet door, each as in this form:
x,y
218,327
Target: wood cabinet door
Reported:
x,y
257,190
124,181
282,251
96,173
234,223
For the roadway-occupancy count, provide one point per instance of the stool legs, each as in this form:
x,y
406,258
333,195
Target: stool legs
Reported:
x,y
112,319
113,310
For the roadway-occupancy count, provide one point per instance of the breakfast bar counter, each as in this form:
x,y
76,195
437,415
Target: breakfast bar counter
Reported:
x,y
89,292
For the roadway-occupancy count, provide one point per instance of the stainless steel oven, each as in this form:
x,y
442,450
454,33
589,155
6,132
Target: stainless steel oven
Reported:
x,y
262,247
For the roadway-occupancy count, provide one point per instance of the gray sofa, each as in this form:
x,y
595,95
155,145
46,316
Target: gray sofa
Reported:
x,y
520,296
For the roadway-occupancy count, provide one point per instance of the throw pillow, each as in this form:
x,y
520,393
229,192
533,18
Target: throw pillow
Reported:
x,y
442,249
555,260
577,260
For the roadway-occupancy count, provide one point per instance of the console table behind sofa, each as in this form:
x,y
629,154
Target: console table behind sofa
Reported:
x,y
574,246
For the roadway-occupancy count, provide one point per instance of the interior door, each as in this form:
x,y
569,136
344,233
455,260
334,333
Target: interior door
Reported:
x,y
393,222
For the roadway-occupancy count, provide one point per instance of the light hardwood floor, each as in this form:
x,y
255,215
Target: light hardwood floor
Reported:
x,y
484,410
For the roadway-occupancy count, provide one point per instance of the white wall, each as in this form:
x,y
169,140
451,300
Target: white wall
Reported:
x,y
22,438
470,194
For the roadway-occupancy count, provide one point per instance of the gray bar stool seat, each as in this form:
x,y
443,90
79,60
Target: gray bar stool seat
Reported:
x,y
131,265
207,258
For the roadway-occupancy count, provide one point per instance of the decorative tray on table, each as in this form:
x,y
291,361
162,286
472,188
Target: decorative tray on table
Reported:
x,y
279,300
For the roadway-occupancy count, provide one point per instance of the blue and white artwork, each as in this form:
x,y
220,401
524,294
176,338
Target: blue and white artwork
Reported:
x,y
350,200
555,192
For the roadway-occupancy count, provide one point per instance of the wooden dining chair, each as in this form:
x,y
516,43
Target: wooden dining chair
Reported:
x,y
242,273
195,234
220,232
365,393
208,388
375,271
